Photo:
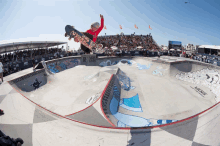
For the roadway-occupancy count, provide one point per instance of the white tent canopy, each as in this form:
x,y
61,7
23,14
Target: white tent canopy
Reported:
x,y
210,47
8,47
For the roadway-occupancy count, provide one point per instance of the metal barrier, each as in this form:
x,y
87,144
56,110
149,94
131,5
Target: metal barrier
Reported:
x,y
215,60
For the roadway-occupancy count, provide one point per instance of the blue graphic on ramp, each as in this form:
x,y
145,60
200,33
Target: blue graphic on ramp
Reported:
x,y
132,104
132,121
63,66
126,61
114,106
120,124
132,88
52,68
141,67
160,122
115,62
158,71
125,81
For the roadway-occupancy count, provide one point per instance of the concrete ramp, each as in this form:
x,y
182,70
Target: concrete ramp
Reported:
x,y
145,102
66,92
150,93
31,82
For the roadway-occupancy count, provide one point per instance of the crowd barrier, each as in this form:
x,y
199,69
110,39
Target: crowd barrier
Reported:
x,y
28,64
212,59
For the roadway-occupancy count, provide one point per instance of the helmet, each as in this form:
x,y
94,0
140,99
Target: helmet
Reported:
x,y
95,24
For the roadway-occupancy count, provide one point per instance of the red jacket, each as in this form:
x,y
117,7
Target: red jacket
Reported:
x,y
96,33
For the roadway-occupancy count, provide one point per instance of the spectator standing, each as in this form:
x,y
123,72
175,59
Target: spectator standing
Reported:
x,y
33,62
158,54
1,71
184,53
55,54
8,141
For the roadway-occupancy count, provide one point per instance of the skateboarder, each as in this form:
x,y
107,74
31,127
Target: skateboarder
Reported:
x,y
158,54
92,33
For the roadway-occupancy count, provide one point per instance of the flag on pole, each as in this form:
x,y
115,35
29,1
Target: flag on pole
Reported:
x,y
120,26
105,27
135,26
150,27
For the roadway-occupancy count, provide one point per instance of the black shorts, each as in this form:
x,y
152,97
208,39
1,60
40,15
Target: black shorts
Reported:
x,y
84,48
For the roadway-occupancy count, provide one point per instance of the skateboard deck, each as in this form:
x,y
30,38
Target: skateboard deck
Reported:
x,y
72,32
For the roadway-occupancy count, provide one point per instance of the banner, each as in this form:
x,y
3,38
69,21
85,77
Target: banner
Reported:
x,y
175,45
120,26
135,26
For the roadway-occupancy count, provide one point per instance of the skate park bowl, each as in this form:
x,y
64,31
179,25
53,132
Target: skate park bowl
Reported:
x,y
127,93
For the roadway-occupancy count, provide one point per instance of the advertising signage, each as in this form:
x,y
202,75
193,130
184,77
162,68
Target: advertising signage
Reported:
x,y
175,43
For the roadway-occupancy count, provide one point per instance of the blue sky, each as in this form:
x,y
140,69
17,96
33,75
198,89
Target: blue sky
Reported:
x,y
41,20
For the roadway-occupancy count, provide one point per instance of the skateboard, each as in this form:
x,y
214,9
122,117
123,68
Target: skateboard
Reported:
x,y
72,32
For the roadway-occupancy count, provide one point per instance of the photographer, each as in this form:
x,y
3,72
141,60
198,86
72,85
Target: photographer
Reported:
x,y
7,141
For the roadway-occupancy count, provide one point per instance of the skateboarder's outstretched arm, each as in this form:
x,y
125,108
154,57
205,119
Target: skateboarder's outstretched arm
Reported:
x,y
102,25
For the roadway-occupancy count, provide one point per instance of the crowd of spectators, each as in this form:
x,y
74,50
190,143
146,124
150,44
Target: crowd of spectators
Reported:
x,y
127,43
12,60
